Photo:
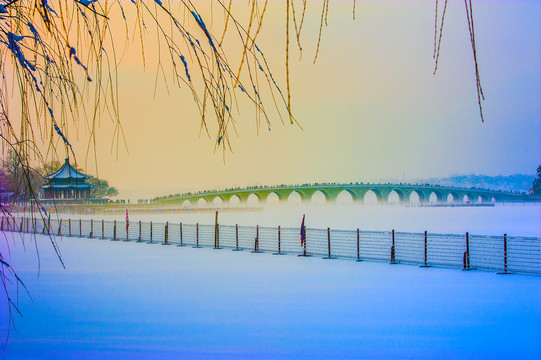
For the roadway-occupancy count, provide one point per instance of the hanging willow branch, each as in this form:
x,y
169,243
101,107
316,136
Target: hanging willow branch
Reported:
x,y
438,34
59,61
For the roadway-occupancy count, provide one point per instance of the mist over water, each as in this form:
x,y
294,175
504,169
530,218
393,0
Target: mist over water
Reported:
x,y
511,219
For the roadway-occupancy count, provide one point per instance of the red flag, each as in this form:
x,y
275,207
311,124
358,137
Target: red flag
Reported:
x,y
303,231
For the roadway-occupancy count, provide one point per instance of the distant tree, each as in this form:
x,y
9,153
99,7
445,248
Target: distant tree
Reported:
x,y
19,178
50,167
101,188
3,179
5,195
536,185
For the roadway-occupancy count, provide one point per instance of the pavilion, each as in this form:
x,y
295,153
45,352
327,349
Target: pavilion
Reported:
x,y
66,184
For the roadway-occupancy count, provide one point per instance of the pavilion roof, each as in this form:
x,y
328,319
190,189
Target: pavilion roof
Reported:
x,y
67,172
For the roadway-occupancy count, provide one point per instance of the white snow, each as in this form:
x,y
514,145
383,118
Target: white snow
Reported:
x,y
124,300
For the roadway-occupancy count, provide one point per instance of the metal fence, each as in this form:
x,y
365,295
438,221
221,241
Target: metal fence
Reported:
x,y
503,254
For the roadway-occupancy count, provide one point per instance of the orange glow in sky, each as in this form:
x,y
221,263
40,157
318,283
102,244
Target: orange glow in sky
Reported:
x,y
370,107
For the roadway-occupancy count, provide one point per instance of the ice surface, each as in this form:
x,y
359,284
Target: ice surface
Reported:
x,y
514,220
119,300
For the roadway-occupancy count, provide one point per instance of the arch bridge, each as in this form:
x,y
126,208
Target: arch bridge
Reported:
x,y
379,193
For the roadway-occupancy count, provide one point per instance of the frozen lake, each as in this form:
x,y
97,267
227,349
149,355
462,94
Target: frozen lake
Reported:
x,y
124,300
138,301
515,220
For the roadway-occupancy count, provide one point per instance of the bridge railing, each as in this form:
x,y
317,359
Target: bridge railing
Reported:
x,y
504,253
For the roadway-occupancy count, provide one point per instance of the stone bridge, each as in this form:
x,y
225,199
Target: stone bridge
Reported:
x,y
380,193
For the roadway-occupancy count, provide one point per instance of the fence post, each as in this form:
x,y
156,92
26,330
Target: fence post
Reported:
x,y
358,247
256,240
328,244
505,252
48,225
166,234
139,238
216,233
27,225
181,240
103,229
127,230
196,235
2,225
80,228
279,242
150,242
393,249
425,264
60,228
21,226
91,228
505,272
466,259
114,231
237,238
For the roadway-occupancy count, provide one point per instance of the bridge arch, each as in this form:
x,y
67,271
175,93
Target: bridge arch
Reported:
x,y
372,196
416,198
436,197
254,199
345,197
294,197
201,202
272,198
469,198
355,195
217,201
394,197
453,197
402,196
187,203
234,200
319,198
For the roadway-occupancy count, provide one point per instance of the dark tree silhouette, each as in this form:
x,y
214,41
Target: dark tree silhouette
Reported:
x,y
536,185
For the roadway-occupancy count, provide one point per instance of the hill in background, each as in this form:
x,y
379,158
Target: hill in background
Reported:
x,y
517,182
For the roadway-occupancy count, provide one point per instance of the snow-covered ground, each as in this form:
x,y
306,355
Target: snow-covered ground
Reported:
x,y
119,300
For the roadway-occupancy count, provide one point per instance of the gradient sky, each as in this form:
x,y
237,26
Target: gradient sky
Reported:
x,y
370,108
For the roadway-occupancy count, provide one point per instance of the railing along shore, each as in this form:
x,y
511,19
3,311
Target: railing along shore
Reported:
x,y
503,254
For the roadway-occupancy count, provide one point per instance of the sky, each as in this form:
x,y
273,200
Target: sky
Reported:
x,y
370,108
